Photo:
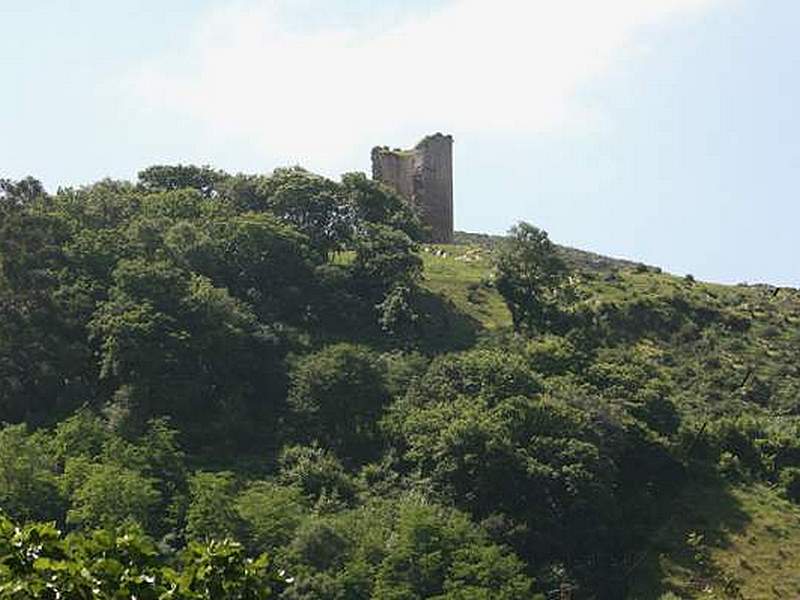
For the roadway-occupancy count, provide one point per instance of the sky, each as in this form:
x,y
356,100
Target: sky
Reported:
x,y
664,131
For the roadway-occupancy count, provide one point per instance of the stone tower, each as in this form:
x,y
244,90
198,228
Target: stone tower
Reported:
x,y
424,176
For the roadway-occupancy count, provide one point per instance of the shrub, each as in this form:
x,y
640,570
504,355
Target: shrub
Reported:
x,y
317,473
790,481
337,396
111,495
211,513
28,486
271,514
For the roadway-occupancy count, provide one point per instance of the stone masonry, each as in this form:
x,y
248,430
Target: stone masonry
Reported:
x,y
424,177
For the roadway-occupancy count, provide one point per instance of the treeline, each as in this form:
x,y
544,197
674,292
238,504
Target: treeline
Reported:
x,y
182,295
198,358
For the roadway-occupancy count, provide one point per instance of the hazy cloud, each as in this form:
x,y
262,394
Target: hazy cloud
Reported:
x,y
474,65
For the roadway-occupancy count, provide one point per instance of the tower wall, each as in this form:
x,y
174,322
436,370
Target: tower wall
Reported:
x,y
424,176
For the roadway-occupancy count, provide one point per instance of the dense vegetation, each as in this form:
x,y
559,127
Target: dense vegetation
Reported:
x,y
272,386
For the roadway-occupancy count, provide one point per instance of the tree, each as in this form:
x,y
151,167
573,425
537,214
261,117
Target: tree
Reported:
x,y
17,194
271,513
530,275
404,548
177,345
212,512
111,495
375,202
439,553
317,473
337,396
28,485
313,204
160,178
530,460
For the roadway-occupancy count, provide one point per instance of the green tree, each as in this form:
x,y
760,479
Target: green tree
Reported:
x,y
531,460
178,345
313,204
28,484
337,396
530,275
212,510
317,473
405,548
436,553
255,256
492,374
17,194
385,258
177,177
375,202
271,513
110,495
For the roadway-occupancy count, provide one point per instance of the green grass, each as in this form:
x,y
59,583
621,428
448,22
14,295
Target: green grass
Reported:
x,y
462,275
749,546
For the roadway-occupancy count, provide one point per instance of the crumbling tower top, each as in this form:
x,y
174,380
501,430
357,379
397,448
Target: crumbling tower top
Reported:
x,y
424,177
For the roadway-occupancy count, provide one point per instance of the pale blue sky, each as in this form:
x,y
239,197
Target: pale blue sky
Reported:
x,y
668,134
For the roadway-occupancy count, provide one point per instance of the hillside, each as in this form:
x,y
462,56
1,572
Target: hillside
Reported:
x,y
749,535
271,386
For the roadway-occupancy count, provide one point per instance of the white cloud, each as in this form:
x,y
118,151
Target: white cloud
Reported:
x,y
472,66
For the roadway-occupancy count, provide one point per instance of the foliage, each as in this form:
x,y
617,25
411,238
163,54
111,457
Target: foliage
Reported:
x,y
492,374
337,396
790,480
312,204
274,358
110,495
28,486
384,259
402,549
530,460
38,562
530,276
318,474
271,514
211,513
178,177
374,202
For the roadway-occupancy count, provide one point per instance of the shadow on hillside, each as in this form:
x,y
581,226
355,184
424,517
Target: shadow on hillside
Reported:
x,y
441,327
444,327
701,517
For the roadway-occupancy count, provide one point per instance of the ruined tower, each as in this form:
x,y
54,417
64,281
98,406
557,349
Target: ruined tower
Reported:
x,y
424,176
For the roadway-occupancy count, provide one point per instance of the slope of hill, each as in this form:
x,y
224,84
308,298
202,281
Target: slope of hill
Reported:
x,y
720,540
200,357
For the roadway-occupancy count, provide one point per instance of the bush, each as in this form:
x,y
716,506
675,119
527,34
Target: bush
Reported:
x,y
28,485
212,512
790,481
111,495
730,467
490,374
317,473
271,514
337,396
